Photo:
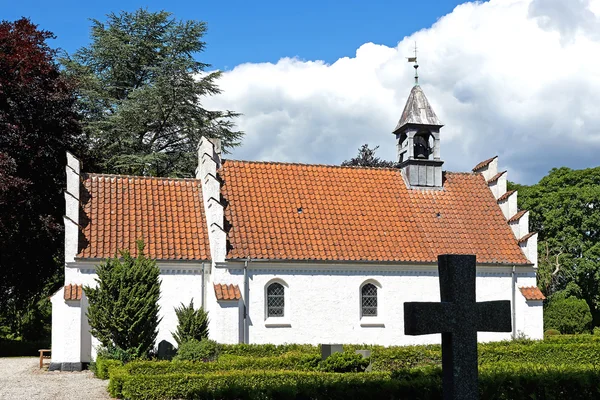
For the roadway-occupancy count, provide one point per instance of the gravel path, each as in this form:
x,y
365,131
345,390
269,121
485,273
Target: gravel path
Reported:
x,y
21,379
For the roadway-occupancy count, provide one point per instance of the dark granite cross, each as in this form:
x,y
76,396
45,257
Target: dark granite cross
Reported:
x,y
458,318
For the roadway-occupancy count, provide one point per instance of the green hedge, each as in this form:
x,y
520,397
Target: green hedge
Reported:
x,y
266,350
543,353
20,348
517,381
103,366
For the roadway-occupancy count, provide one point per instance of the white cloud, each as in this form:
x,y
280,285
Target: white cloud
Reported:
x,y
517,78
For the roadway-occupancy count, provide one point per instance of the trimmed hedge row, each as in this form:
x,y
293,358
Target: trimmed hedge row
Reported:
x,y
103,366
498,381
20,348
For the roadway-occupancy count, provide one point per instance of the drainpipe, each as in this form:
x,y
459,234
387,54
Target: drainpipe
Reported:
x,y
513,305
246,302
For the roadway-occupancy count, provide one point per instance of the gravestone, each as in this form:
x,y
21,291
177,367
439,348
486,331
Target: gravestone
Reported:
x,y
329,349
458,317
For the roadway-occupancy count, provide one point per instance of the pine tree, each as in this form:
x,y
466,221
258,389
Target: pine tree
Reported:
x,y
123,308
366,158
140,94
192,324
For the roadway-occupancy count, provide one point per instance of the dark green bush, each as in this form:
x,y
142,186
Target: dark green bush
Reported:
x,y
344,362
567,314
191,323
542,353
20,348
115,353
517,381
198,350
596,331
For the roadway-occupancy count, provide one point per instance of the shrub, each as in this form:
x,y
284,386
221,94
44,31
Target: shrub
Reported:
x,y
198,350
266,350
596,331
567,314
191,324
103,366
123,309
344,362
517,381
551,332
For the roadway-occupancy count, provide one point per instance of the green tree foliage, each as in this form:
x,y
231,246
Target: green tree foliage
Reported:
x,y
366,158
197,350
140,94
37,125
191,324
565,210
123,308
567,314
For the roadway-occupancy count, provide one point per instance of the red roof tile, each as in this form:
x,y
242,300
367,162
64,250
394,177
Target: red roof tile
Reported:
x,y
505,196
166,213
227,292
72,292
484,164
496,177
524,238
316,212
532,293
517,216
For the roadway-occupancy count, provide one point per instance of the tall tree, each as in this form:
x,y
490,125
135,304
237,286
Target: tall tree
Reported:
x,y
37,125
366,158
565,210
140,94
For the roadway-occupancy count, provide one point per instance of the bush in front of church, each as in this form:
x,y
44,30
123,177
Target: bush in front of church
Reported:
x,y
567,314
191,324
197,350
123,308
344,362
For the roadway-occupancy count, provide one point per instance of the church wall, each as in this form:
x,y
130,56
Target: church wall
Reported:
x,y
322,304
66,330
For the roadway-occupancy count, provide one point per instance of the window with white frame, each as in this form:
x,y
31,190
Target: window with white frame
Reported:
x,y
368,297
275,300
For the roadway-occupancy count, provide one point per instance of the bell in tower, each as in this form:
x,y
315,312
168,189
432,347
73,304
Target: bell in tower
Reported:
x,y
418,140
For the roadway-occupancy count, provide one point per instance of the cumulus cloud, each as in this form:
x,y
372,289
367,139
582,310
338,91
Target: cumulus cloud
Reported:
x,y
514,78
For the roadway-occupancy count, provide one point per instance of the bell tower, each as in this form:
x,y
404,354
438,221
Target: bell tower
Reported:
x,y
418,140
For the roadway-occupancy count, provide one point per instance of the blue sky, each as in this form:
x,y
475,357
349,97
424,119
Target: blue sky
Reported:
x,y
252,31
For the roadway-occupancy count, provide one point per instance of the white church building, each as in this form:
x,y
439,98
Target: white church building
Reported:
x,y
295,253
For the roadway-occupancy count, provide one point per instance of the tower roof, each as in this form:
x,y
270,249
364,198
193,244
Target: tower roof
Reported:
x,y
418,111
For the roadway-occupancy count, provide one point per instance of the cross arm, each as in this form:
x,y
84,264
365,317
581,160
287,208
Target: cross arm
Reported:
x,y
422,318
494,316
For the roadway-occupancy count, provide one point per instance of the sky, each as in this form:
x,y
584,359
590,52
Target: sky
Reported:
x,y
315,80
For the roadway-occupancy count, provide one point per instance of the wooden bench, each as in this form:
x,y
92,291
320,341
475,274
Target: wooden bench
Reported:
x,y
44,353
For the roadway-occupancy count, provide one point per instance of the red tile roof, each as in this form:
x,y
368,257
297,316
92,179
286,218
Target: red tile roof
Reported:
x,y
316,212
496,177
532,293
505,196
72,292
517,216
166,213
227,292
484,164
524,238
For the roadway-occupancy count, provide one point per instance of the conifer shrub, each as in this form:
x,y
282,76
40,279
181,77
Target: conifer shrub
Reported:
x,y
197,350
191,324
123,308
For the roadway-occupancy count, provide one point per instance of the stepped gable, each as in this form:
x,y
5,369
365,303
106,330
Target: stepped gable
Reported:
x,y
167,213
280,211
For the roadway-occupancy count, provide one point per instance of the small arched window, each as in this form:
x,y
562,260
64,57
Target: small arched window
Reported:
x,y
275,300
369,300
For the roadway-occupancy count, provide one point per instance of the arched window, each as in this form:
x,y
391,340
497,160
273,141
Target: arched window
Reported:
x,y
275,300
368,296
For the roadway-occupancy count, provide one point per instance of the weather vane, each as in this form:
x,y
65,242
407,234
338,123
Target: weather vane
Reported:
x,y
416,66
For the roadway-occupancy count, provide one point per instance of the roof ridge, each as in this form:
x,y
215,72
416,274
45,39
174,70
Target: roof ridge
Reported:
x,y
102,175
506,195
497,176
517,216
483,164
